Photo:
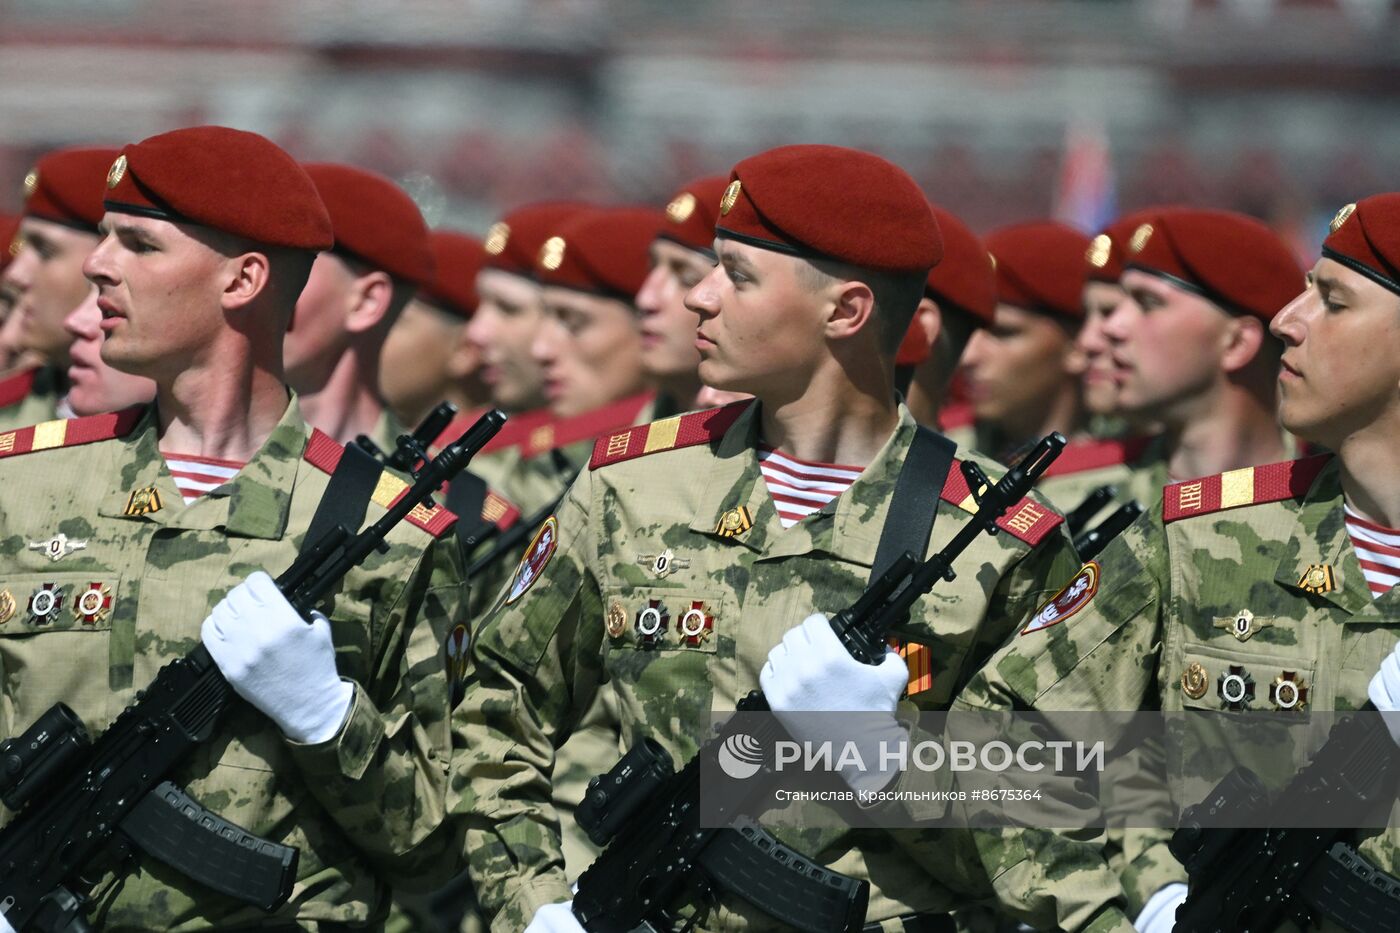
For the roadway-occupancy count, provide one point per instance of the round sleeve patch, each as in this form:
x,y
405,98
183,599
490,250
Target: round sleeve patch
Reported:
x,y
1074,597
536,557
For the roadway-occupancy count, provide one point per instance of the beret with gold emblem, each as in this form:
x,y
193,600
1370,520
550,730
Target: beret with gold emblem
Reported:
x,y
691,214
374,221
829,202
65,187
964,279
231,180
602,251
1230,259
1108,251
1365,237
513,242
1040,267
457,258
9,239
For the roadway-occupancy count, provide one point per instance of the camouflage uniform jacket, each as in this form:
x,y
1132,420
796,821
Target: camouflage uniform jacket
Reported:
x,y
30,396
567,628
1209,584
362,807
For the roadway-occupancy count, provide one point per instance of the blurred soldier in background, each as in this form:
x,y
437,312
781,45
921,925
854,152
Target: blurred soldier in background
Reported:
x,y
427,357
62,208
357,290
10,347
94,386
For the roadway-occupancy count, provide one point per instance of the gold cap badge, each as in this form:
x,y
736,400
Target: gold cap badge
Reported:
x,y
31,182
552,253
1195,681
116,172
1100,248
681,207
1140,237
497,238
731,195
1342,216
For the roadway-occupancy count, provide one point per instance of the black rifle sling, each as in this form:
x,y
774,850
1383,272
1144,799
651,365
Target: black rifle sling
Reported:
x,y
347,495
914,506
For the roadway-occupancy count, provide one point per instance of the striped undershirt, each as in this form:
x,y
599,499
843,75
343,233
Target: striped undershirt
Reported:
x,y
194,476
1378,549
801,487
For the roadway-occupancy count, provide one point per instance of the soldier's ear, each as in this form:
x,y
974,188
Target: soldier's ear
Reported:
x,y
852,310
245,277
1244,338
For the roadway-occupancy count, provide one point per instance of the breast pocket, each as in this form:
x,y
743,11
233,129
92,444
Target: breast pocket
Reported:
x,y
55,643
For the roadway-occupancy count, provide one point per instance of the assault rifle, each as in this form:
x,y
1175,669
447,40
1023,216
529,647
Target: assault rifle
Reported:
x,y
412,448
85,807
1248,880
1090,543
647,814
1077,518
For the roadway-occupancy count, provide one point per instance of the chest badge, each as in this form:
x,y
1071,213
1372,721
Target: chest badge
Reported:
x,y
663,564
1195,681
696,624
1243,624
652,622
93,604
7,606
1317,579
1235,688
57,547
1288,691
615,620
734,522
143,501
45,603
457,648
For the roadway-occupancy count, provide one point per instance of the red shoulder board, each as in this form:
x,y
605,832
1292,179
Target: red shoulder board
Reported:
x,y
1027,520
1249,486
499,511
70,433
14,389
586,426
697,427
956,415
1095,455
324,454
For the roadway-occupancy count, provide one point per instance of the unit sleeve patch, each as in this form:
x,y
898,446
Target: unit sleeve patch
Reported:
x,y
1074,597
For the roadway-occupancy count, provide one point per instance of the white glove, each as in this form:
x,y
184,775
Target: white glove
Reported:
x,y
277,662
1159,916
555,918
810,671
5,925
1384,691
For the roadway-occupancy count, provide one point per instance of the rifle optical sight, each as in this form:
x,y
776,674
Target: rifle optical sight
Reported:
x,y
28,762
613,797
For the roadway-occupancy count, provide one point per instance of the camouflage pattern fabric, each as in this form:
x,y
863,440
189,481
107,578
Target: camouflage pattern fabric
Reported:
x,y
567,630
1181,603
365,807
41,404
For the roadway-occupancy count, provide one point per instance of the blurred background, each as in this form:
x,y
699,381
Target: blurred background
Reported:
x,y
1002,109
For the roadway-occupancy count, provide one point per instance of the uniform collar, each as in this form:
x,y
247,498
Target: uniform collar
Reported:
x,y
254,504
848,529
1319,538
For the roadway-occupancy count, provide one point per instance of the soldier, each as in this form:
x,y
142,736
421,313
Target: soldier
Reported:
x,y
94,386
62,206
960,296
681,255
688,547
121,531
426,357
1103,293
10,347
1264,588
381,258
1023,371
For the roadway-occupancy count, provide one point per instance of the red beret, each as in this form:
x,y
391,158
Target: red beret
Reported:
x,y
66,187
1365,238
9,239
1108,251
603,251
230,180
1040,267
965,279
374,221
513,242
828,202
1233,260
692,213
457,258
